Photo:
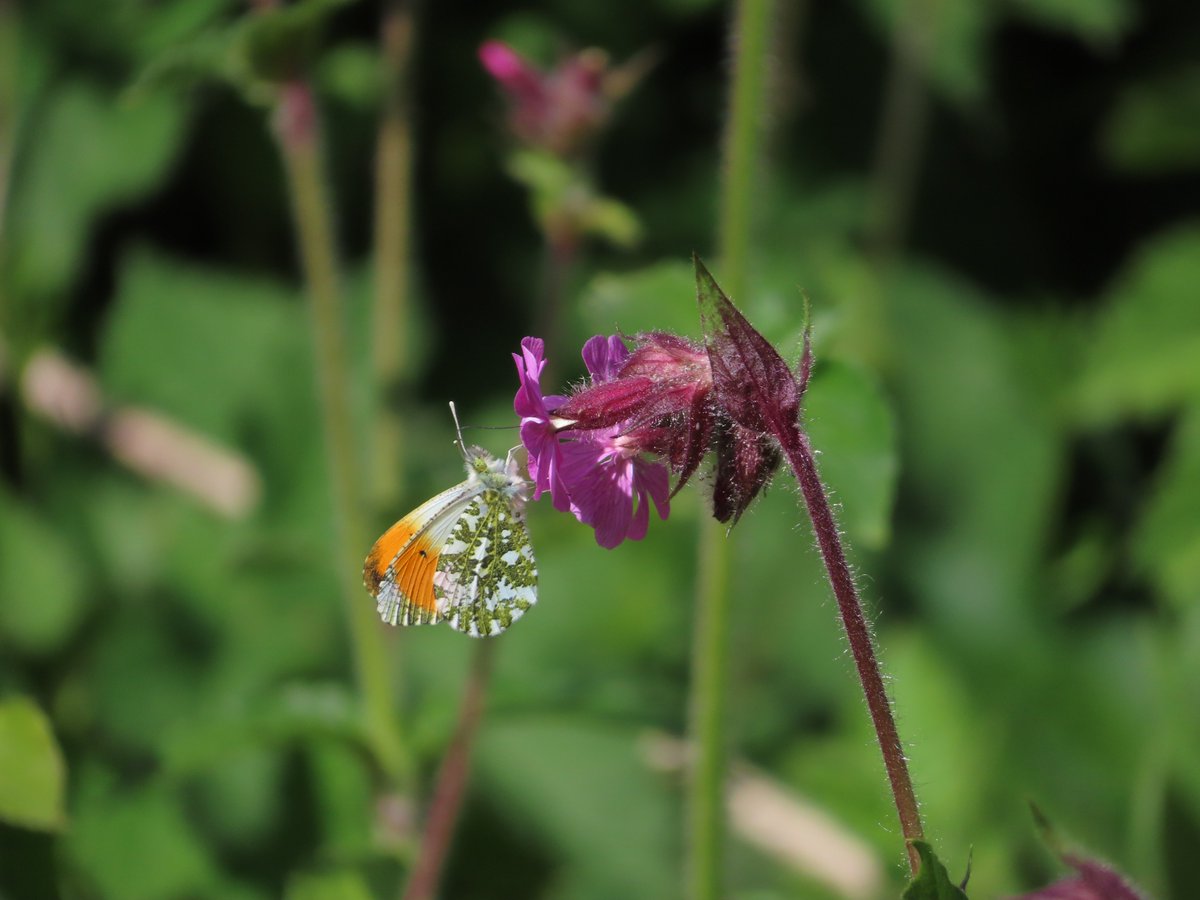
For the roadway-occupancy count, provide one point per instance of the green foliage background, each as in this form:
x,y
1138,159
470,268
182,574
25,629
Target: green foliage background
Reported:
x,y
1007,404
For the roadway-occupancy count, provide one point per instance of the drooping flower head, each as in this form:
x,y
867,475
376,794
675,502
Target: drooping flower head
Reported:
x,y
559,110
671,398
598,474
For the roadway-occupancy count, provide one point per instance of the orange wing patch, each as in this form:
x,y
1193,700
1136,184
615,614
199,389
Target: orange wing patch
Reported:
x,y
406,562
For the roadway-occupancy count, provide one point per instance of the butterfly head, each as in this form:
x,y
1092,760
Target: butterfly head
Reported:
x,y
494,474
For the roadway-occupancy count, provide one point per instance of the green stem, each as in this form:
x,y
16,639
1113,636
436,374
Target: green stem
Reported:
x,y
393,251
297,134
901,130
742,148
8,111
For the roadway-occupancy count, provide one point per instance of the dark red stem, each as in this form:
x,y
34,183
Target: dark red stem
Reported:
x,y
448,791
799,453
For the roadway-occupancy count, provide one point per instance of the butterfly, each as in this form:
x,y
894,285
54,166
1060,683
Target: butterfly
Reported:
x,y
463,556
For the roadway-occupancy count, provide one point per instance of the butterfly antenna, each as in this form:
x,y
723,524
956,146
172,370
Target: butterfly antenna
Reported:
x,y
462,445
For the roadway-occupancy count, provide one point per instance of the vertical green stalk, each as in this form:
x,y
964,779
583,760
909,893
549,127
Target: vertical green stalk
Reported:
x,y
299,144
901,129
390,334
742,149
8,110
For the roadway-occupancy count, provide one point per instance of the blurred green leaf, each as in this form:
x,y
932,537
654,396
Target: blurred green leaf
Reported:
x,y
138,845
136,711
212,349
338,885
569,781
851,426
280,43
1154,127
345,797
659,297
32,773
240,800
932,883
42,581
565,202
1167,537
59,189
1098,21
351,73
949,37
1143,352
981,453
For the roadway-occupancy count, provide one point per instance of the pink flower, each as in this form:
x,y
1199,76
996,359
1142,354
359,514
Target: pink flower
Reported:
x,y
559,110
538,432
611,482
599,474
612,485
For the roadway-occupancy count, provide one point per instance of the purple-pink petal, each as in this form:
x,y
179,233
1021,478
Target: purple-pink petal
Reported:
x,y
538,433
612,490
604,356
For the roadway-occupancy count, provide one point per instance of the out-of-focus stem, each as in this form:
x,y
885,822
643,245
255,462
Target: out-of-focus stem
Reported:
x,y
901,129
558,258
450,787
299,144
799,454
393,248
8,113
742,148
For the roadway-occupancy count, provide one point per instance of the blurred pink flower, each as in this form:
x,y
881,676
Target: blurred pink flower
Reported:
x,y
559,110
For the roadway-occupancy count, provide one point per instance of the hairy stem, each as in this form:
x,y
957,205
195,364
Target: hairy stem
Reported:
x,y
450,787
393,250
299,144
742,147
799,453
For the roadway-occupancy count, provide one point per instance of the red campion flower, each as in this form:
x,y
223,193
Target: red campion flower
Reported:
x,y
600,474
678,399
558,110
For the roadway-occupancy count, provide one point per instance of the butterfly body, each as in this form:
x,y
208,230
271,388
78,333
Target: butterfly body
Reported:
x,y
463,556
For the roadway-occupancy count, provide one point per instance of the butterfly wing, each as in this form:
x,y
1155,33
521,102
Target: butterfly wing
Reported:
x,y
486,575
400,569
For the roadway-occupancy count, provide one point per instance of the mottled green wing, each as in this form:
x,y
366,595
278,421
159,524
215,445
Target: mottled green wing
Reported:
x,y
486,576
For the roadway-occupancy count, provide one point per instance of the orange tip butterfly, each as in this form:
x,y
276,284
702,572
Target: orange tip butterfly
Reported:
x,y
463,556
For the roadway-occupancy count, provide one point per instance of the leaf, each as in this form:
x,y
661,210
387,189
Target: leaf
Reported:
x,y
225,354
58,191
570,781
32,772
139,845
1167,537
42,579
1146,340
954,33
932,882
1100,22
1154,128
852,427
654,298
280,43
343,884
